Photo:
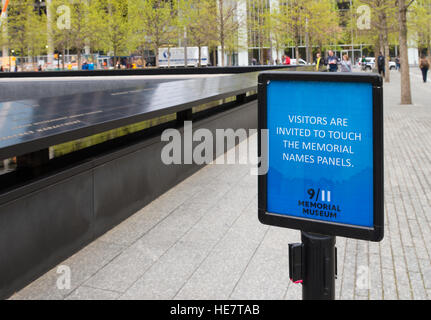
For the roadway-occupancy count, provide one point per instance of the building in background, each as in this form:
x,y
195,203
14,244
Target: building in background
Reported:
x,y
254,42
255,45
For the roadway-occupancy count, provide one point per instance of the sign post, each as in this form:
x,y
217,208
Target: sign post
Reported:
x,y
321,138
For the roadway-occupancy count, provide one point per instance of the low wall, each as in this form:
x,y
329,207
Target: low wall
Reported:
x,y
44,222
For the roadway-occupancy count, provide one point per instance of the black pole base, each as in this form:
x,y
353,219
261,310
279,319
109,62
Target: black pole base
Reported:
x,y
319,266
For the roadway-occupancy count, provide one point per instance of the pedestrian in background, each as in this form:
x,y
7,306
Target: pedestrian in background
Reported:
x,y
424,65
319,61
332,62
381,64
363,63
398,63
346,64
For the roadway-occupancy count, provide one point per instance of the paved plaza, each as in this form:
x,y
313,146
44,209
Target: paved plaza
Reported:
x,y
202,239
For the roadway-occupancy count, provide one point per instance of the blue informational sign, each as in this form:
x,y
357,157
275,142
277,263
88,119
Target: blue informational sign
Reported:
x,y
321,155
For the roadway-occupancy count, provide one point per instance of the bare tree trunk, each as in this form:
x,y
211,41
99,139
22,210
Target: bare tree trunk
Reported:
x,y
261,55
309,51
4,31
79,59
387,58
64,56
296,45
186,59
406,94
261,58
222,53
221,31
386,48
215,57
278,53
377,49
200,56
115,57
156,53
429,43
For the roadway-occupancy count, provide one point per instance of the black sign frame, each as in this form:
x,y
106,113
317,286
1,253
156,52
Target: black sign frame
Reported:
x,y
376,233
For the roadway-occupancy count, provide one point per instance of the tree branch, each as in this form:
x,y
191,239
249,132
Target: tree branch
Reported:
x,y
411,2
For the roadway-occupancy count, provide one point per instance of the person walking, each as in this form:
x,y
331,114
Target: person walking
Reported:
x,y
424,65
332,62
381,64
319,61
346,64
398,63
363,63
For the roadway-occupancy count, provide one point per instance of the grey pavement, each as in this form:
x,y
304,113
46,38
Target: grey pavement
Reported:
x,y
202,239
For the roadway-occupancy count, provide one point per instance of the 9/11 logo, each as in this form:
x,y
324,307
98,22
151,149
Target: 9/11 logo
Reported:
x,y
319,195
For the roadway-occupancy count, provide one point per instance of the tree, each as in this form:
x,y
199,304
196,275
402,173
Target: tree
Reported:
x,y
317,21
113,27
155,23
36,34
406,93
227,26
198,17
259,24
297,16
26,29
278,24
4,39
76,25
383,23
61,33
419,24
323,23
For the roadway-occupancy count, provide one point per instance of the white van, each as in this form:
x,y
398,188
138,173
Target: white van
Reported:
x,y
174,57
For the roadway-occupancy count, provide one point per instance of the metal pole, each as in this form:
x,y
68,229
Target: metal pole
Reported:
x,y
186,59
3,12
353,33
318,266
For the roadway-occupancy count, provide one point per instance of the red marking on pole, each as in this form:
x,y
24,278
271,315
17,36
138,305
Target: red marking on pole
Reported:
x,y
5,6
3,11
297,282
